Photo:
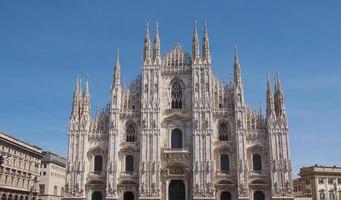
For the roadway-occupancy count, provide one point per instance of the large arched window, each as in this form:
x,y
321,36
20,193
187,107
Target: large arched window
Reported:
x,y
223,132
176,138
224,163
129,163
176,95
130,133
258,195
98,163
257,162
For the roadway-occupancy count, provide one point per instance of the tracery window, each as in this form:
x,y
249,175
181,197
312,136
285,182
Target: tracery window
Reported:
x,y
176,95
223,132
257,162
130,133
224,163
129,163
176,138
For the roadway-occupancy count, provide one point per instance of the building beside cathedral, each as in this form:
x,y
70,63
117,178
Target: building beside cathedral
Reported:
x,y
177,132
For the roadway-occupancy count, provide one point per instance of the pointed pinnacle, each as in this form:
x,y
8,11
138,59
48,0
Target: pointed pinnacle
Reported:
x,y
278,82
205,28
236,59
147,31
117,60
86,91
195,28
157,36
268,81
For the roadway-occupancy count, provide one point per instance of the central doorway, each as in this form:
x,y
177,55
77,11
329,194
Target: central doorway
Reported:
x,y
128,196
176,190
96,196
225,196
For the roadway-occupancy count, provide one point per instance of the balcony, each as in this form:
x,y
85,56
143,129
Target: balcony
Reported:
x,y
175,154
96,174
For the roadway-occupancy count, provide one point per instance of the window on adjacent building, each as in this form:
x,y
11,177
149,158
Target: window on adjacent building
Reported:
x,y
44,173
321,181
176,138
129,163
41,189
322,195
257,162
224,163
307,181
98,163
176,95
330,181
339,182
55,190
331,195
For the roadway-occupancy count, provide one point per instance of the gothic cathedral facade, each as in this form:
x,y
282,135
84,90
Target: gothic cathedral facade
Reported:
x,y
178,133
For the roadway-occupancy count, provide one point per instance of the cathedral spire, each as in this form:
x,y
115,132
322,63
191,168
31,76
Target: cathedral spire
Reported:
x,y
270,105
147,46
195,42
77,98
236,67
206,44
156,53
117,78
279,97
86,96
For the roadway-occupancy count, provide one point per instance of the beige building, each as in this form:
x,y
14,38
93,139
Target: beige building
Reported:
x,y
19,173
319,182
52,177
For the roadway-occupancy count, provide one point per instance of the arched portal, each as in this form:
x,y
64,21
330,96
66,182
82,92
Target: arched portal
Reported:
x,y
176,190
128,196
258,195
96,195
225,195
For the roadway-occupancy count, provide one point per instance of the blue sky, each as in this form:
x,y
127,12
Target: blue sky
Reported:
x,y
45,44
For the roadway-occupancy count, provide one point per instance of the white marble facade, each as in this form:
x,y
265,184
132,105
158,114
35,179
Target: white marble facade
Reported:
x,y
177,132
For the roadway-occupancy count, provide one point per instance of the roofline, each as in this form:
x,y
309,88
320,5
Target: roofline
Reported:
x,y
26,145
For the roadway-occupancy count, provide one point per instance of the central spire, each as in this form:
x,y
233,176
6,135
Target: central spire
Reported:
x,y
236,67
117,78
195,42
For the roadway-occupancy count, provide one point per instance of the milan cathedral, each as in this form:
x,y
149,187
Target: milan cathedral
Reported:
x,y
178,133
